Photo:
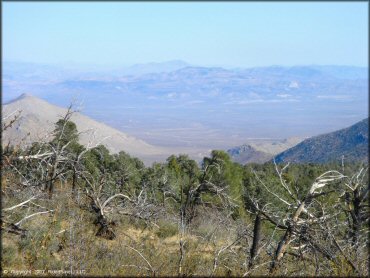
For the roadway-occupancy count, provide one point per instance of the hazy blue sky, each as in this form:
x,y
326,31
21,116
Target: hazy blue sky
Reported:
x,y
231,34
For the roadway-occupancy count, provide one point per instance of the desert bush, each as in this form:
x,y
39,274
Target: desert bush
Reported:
x,y
167,229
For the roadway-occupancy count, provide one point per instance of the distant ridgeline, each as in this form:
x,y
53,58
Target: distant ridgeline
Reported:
x,y
351,142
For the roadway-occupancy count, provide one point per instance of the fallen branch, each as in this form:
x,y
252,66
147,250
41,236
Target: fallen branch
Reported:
x,y
20,204
32,215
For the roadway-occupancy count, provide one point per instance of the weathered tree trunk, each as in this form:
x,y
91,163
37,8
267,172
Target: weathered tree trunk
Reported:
x,y
51,181
191,207
355,215
50,188
284,242
280,251
256,239
74,180
104,230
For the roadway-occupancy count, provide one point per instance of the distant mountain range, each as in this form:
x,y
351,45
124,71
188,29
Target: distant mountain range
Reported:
x,y
280,84
352,143
177,80
141,69
178,104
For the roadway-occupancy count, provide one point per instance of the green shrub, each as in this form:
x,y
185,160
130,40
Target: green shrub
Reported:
x,y
167,230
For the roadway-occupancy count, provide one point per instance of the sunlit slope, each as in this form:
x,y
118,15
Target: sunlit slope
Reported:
x,y
38,118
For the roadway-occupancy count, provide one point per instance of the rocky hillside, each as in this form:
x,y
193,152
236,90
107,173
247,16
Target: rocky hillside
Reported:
x,y
37,121
351,142
246,154
261,150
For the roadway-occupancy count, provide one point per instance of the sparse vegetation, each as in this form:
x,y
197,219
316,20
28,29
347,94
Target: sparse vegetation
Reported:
x,y
68,207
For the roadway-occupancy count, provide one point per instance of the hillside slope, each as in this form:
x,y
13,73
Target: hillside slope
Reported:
x,y
351,142
38,118
261,150
247,154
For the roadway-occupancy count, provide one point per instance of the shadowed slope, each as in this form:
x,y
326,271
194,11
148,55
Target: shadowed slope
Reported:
x,y
351,142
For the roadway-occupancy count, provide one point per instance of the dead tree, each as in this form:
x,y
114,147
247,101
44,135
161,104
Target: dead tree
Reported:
x,y
44,162
192,197
256,238
356,204
104,203
298,216
56,157
10,216
8,150
12,224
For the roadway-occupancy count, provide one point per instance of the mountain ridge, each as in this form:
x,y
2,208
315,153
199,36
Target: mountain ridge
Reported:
x,y
38,118
351,142
261,150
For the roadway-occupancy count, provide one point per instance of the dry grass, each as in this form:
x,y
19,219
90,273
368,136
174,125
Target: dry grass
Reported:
x,y
65,240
